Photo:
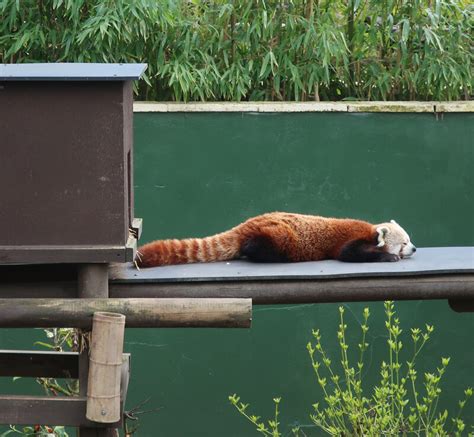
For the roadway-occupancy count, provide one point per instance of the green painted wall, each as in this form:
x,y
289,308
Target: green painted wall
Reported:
x,y
198,174
201,173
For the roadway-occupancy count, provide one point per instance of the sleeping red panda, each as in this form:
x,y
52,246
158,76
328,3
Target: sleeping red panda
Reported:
x,y
285,237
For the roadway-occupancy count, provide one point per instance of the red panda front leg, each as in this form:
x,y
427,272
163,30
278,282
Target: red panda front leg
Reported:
x,y
360,251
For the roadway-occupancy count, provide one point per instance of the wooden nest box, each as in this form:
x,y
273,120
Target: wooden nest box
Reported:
x,y
66,167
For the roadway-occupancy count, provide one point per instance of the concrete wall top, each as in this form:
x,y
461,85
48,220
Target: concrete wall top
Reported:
x,y
434,107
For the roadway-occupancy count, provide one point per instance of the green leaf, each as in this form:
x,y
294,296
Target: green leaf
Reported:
x,y
46,345
405,30
263,70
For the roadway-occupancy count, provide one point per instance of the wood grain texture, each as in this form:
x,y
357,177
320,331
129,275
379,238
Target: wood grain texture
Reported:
x,y
39,364
42,410
310,291
92,282
140,313
262,292
71,254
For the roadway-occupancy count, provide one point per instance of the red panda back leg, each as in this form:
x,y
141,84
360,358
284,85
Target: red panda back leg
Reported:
x,y
261,248
268,244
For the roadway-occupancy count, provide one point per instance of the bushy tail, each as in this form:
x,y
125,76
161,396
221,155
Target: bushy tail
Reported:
x,y
220,247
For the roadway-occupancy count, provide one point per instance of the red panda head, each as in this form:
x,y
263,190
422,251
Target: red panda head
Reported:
x,y
394,239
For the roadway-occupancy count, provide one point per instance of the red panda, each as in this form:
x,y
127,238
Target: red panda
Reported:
x,y
285,237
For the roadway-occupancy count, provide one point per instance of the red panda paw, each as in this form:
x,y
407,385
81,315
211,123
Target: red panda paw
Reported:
x,y
390,257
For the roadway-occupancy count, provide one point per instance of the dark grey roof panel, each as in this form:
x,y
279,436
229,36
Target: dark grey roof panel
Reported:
x,y
71,71
427,261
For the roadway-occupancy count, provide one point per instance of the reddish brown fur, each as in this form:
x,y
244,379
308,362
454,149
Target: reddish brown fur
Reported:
x,y
296,237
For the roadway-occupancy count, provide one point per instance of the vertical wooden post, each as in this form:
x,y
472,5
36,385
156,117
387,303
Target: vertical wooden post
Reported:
x,y
105,367
92,281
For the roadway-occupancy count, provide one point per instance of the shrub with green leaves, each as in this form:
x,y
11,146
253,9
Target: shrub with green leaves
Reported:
x,y
35,431
257,50
402,403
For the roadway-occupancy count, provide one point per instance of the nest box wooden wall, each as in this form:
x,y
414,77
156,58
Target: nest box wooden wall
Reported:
x,y
66,173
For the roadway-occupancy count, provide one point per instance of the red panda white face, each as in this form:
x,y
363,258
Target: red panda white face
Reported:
x,y
395,240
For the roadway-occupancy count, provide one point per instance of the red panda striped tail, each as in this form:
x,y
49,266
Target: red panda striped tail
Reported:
x,y
220,247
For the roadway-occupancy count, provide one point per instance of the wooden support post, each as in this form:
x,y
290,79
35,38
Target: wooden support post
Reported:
x,y
105,367
462,305
92,281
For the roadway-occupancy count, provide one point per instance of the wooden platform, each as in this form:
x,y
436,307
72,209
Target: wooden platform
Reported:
x,y
433,273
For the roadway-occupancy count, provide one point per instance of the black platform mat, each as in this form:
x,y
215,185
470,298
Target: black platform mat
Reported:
x,y
427,261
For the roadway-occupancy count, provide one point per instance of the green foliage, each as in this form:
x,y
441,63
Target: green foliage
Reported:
x,y
398,405
58,339
268,430
36,431
257,50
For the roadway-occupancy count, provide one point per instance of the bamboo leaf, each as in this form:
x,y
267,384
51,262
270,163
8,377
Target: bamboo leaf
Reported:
x,y
241,50
263,70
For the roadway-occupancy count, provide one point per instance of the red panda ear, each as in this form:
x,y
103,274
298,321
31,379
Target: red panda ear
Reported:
x,y
382,231
394,222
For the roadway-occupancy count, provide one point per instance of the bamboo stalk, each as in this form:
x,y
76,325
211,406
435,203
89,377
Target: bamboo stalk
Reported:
x,y
105,367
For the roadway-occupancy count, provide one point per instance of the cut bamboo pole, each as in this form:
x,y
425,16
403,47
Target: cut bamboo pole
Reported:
x,y
105,367
140,313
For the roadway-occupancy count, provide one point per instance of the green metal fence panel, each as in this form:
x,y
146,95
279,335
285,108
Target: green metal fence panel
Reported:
x,y
201,173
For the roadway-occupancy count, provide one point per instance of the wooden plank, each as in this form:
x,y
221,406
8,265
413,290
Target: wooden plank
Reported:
x,y
140,313
39,364
18,273
445,286
43,410
97,432
66,254
69,411
124,379
137,227
49,290
310,291
413,287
